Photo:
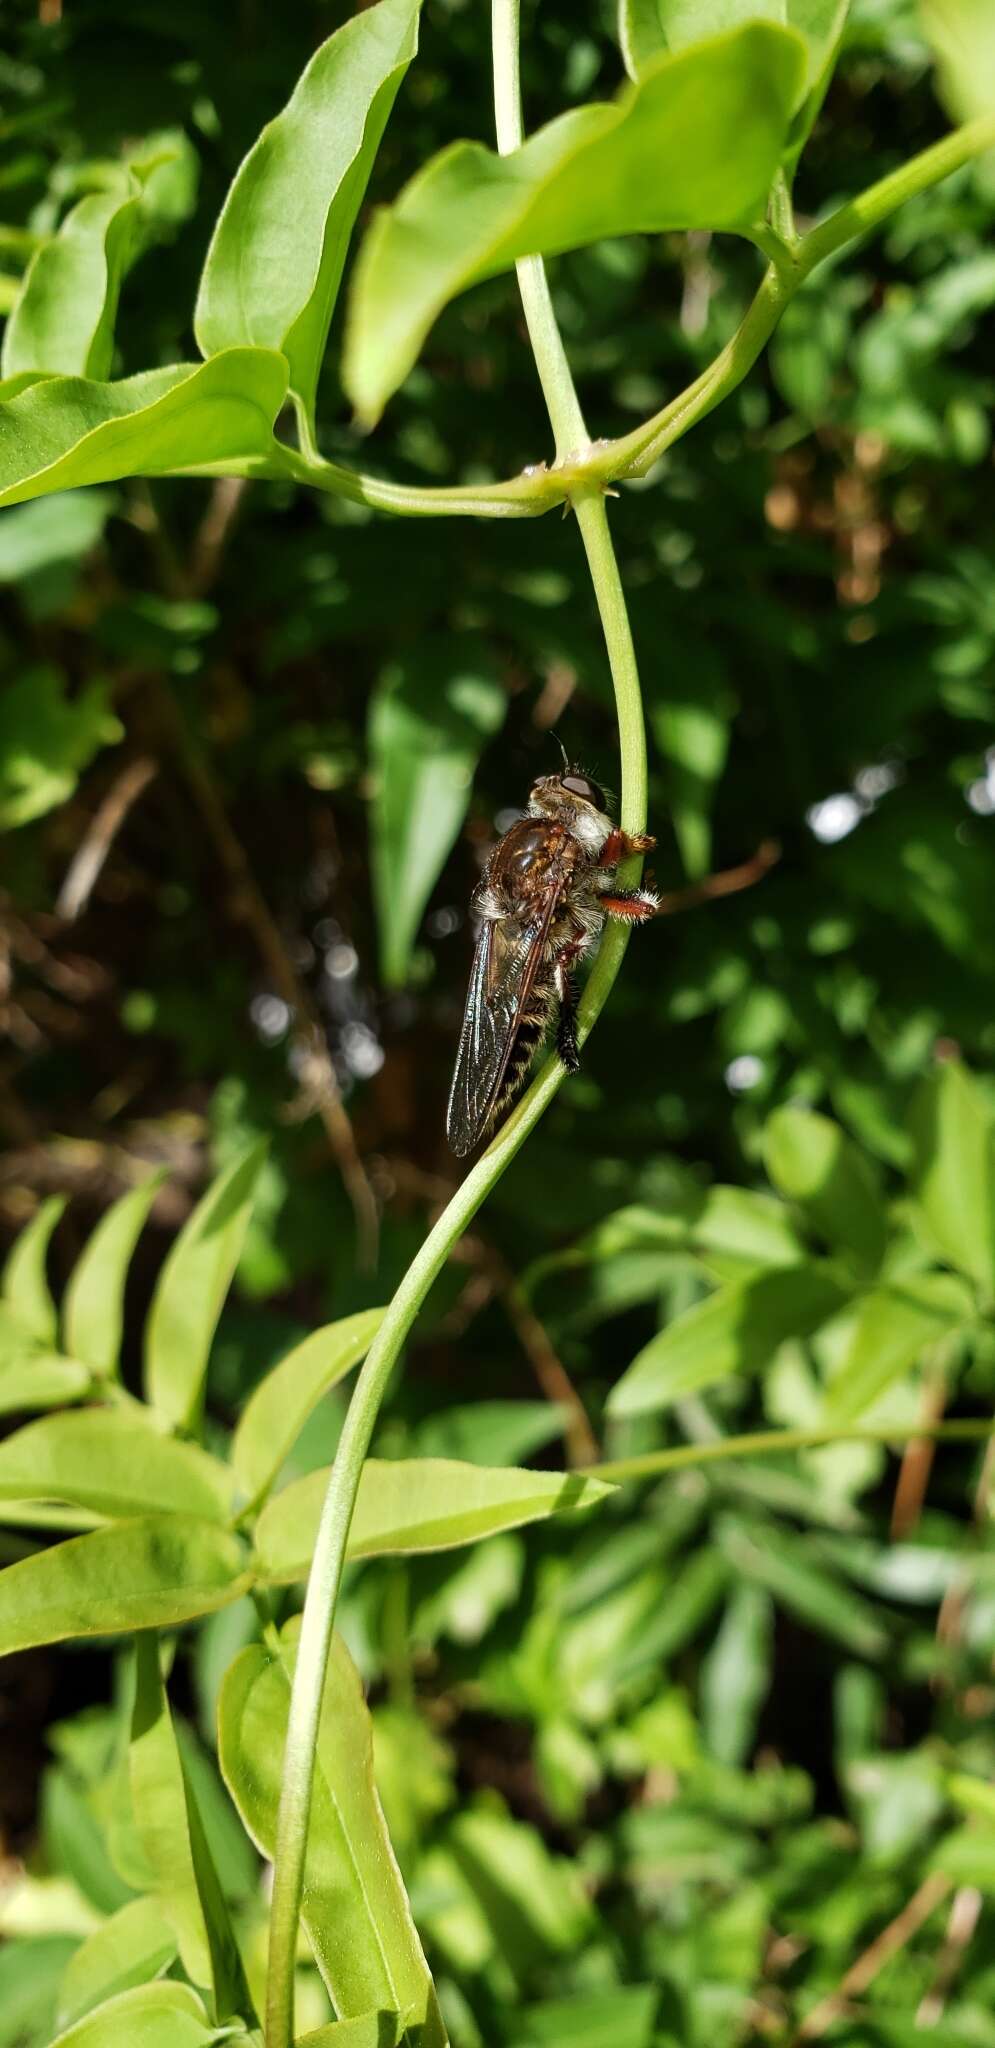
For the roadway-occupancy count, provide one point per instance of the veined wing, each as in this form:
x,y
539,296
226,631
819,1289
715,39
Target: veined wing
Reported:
x,y
505,964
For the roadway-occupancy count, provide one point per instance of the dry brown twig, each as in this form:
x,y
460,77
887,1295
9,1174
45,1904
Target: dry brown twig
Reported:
x,y
861,1974
91,854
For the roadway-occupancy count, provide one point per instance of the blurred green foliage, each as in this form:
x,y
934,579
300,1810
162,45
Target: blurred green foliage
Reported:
x,y
663,1777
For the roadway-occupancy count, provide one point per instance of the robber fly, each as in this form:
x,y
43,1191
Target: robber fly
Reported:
x,y
542,900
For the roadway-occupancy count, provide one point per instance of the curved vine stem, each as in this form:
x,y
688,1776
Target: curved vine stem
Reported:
x,y
333,1531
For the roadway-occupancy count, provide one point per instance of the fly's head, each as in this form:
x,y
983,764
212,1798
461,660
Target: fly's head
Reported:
x,y
573,800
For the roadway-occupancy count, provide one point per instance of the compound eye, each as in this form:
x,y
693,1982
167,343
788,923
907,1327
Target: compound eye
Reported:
x,y
579,785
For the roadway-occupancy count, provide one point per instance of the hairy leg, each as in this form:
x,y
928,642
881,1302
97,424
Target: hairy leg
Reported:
x,y
619,845
629,906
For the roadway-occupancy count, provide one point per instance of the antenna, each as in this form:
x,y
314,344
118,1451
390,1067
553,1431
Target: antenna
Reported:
x,y
562,748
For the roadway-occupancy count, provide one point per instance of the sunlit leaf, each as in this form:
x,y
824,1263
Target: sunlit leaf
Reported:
x,y
962,33
354,1905
63,321
41,1380
24,1286
273,268
152,1572
172,1834
153,2016
694,145
191,1290
414,1504
112,1461
954,1172
93,1308
893,1329
133,1947
60,432
737,1330
278,1408
649,27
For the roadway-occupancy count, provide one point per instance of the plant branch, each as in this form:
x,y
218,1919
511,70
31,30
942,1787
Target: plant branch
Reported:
x,y
321,1598
761,1442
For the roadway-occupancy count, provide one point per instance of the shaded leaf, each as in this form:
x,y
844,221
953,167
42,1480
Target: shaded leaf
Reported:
x,y
430,719
114,1462
811,1160
191,1290
415,1504
133,1947
275,261
63,321
785,1564
694,145
64,431
153,1572
93,1308
354,1905
737,1330
278,1408
46,738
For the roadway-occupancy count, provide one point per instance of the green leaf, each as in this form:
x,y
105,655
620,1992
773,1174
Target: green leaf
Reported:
x,y
812,1162
621,2016
63,321
369,2030
490,1432
737,1330
172,1835
153,1572
647,28
40,1381
275,261
113,1462
691,727
694,145
276,1412
133,1947
46,739
30,1971
736,1674
962,35
414,1504
37,537
789,1569
24,1284
892,1329
66,431
430,719
354,1905
153,2016
93,1308
191,1290
953,1174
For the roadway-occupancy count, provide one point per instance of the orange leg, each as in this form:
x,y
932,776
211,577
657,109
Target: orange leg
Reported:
x,y
619,844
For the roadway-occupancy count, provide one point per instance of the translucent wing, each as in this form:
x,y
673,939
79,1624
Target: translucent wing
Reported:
x,y
505,964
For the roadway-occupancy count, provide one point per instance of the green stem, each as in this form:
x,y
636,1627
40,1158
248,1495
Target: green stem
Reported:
x,y
649,1464
328,1561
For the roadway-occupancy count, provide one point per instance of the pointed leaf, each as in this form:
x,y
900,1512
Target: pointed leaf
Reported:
x,y
954,1171
369,2030
354,1906
415,1504
153,1572
790,1569
737,1330
430,719
24,1285
93,1308
694,145
276,1412
191,1290
810,1160
63,318
172,1835
112,1461
153,2016
41,1380
133,1947
649,27
275,261
65,431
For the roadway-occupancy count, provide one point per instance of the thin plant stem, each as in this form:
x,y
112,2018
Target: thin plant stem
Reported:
x,y
768,1442
327,1564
